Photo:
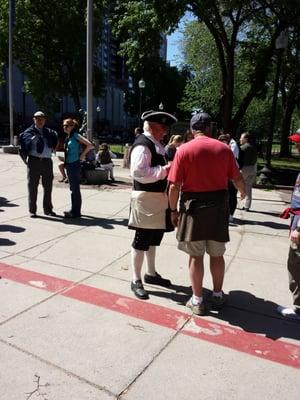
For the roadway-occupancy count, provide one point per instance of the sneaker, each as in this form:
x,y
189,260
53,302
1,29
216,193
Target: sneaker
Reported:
x,y
217,302
157,280
197,309
290,313
32,215
139,291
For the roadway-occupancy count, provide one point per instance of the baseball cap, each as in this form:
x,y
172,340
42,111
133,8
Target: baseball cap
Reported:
x,y
39,114
200,121
295,137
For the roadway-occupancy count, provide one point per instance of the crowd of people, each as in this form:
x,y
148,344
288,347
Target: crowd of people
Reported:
x,y
190,185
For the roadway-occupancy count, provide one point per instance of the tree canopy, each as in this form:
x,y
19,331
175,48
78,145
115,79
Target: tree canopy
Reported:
x,y
49,46
247,27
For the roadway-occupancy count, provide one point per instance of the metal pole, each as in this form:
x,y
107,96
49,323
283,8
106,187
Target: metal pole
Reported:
x,y
140,108
273,111
10,68
89,69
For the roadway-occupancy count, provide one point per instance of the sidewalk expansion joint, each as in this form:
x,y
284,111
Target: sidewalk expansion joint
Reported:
x,y
49,363
155,357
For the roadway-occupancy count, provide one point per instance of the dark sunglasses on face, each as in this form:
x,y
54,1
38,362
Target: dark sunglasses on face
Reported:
x,y
66,126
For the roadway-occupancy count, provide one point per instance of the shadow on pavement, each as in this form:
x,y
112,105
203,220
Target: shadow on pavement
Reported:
x,y
257,315
6,203
179,294
273,214
11,228
243,309
270,224
6,242
87,220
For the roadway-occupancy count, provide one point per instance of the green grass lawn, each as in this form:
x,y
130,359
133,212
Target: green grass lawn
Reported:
x,y
117,148
284,170
284,163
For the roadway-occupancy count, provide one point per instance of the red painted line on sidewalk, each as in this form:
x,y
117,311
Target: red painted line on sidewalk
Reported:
x,y
250,343
34,279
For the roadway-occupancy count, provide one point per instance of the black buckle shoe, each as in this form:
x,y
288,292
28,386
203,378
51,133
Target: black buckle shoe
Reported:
x,y
51,213
69,214
139,291
157,280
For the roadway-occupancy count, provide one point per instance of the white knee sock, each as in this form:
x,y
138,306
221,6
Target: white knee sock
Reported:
x,y
150,256
196,299
137,258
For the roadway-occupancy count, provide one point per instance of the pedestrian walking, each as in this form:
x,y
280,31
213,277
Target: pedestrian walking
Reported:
x,y
199,174
149,200
248,165
232,190
37,144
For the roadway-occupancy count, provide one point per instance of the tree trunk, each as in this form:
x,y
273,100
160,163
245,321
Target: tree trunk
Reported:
x,y
285,128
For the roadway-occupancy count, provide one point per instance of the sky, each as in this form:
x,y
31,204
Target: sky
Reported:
x,y
174,53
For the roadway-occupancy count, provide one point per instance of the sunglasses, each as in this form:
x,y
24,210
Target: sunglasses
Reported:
x,y
66,126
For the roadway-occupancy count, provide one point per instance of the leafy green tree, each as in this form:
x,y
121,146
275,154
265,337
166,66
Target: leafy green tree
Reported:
x,y
289,88
245,25
135,24
164,84
200,58
3,37
50,48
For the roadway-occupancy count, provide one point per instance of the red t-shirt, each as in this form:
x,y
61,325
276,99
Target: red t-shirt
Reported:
x,y
203,165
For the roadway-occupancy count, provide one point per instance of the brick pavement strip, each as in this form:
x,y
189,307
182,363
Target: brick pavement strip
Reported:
x,y
262,347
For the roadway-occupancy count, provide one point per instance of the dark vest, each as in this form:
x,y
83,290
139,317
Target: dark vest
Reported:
x,y
156,159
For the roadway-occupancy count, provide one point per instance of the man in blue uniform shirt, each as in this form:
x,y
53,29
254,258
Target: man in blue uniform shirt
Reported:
x,y
37,144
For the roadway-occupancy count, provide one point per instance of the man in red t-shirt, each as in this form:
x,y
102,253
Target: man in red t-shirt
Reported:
x,y
200,173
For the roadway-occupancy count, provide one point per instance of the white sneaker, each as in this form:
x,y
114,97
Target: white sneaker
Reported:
x,y
288,312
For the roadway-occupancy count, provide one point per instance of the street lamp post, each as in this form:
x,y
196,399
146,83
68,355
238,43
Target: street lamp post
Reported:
x,y
142,85
11,23
89,70
23,105
98,109
280,45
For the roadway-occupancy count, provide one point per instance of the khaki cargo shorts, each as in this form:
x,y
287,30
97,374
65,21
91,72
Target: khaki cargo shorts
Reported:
x,y
198,248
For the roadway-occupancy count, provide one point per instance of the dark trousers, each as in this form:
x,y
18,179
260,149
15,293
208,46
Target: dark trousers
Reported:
x,y
39,168
73,172
144,238
232,190
293,265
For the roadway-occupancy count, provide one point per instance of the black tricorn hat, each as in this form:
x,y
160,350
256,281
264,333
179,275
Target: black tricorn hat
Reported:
x,y
159,117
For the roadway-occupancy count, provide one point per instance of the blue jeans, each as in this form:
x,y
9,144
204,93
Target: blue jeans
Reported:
x,y
73,172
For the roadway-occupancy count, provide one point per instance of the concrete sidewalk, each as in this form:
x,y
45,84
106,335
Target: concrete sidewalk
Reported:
x,y
70,328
